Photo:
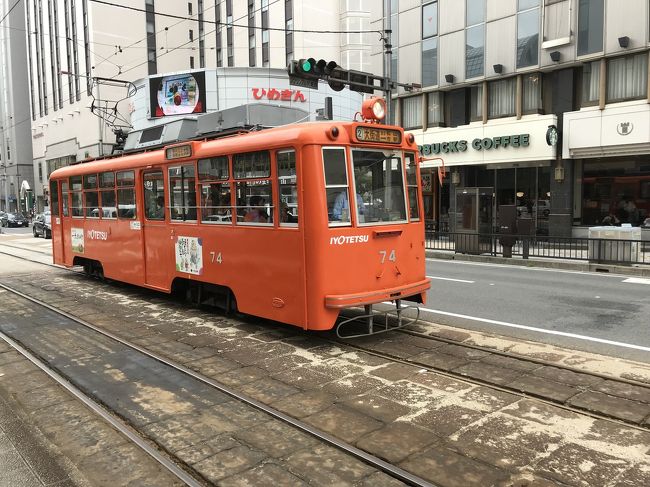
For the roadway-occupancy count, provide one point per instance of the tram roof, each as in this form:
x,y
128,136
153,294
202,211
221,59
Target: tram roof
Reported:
x,y
268,139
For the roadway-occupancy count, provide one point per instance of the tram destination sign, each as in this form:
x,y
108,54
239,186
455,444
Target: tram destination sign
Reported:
x,y
374,134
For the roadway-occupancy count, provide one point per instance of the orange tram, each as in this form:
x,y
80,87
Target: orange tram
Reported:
x,y
293,223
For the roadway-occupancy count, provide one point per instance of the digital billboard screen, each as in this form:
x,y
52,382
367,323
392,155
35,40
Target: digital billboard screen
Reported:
x,y
177,94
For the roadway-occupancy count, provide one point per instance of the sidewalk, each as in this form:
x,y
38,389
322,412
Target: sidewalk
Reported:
x,y
565,264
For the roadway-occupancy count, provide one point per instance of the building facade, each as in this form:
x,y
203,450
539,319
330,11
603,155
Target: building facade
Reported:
x,y
16,174
72,42
541,104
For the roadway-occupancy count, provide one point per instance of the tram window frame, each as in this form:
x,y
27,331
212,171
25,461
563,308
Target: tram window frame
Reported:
x,y
90,182
253,170
370,208
184,212
209,176
107,194
412,186
336,188
220,214
127,208
65,198
151,194
76,197
287,218
54,198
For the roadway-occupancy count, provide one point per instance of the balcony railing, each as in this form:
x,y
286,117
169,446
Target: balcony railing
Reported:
x,y
609,251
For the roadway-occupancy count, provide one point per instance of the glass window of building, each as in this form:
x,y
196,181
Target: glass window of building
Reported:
x,y
590,83
532,93
475,12
430,44
434,109
429,20
527,33
627,77
501,98
615,192
475,38
412,112
476,102
590,26
430,61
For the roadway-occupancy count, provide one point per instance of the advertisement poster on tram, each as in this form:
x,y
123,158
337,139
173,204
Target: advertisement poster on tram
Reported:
x,y
77,236
189,255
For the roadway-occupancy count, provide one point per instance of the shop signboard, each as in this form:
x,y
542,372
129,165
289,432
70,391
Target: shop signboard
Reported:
x,y
498,141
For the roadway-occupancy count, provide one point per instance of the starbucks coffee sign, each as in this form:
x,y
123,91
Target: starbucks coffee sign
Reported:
x,y
479,144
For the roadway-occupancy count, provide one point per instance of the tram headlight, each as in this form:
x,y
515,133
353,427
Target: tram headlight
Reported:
x,y
373,109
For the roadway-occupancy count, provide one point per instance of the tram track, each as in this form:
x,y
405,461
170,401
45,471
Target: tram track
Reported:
x,y
513,361
163,457
643,424
252,328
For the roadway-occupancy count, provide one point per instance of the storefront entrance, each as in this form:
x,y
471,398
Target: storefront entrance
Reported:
x,y
488,188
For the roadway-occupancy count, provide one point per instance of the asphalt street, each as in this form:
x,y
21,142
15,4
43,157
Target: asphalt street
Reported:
x,y
609,313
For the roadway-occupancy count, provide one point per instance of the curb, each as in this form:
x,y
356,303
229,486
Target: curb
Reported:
x,y
583,266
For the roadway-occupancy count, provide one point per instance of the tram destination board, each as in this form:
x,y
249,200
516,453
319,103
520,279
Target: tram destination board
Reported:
x,y
373,134
303,83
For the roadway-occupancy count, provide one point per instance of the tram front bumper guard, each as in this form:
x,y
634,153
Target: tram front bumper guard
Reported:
x,y
362,299
392,320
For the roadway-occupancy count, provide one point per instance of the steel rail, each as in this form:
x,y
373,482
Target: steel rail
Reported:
x,y
94,406
386,467
481,382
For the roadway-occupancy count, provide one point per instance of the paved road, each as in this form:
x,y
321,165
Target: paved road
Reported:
x,y
596,306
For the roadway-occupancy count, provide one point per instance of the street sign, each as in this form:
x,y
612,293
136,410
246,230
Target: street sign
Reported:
x,y
303,82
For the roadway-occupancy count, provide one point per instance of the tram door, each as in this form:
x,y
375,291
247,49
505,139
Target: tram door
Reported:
x,y
156,233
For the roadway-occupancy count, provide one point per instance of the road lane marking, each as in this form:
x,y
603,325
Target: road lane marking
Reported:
x,y
637,280
539,330
450,279
527,268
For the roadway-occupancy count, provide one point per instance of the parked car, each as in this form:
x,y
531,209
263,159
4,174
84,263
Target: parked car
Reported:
x,y
42,225
3,219
17,220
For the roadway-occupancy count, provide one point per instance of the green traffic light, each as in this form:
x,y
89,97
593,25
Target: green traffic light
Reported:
x,y
306,66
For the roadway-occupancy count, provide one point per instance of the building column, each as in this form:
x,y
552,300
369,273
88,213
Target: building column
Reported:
x,y
560,221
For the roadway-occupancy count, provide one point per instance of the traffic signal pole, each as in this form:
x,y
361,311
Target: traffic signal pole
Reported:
x,y
388,53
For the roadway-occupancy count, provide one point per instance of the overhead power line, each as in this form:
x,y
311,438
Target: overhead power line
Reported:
x,y
229,24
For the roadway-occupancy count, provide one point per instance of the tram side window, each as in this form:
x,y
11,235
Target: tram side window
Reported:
x,y
91,197
213,168
336,185
216,206
379,182
412,183
126,195
182,193
254,195
107,194
286,161
154,195
64,198
215,203
77,196
54,198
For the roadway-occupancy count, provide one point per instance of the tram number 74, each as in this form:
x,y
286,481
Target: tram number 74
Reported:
x,y
216,257
391,256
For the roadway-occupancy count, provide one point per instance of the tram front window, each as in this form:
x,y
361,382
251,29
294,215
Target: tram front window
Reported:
x,y
379,182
